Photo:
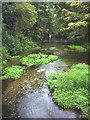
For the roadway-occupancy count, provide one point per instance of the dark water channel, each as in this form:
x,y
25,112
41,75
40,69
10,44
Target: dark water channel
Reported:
x,y
27,97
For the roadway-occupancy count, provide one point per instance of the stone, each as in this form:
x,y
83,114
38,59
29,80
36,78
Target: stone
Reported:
x,y
41,70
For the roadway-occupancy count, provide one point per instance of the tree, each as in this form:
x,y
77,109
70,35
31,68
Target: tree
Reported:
x,y
78,18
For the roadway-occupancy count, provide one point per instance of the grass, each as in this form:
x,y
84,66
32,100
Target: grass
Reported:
x,y
71,88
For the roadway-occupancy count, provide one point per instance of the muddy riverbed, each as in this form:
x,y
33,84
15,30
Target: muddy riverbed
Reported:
x,y
28,98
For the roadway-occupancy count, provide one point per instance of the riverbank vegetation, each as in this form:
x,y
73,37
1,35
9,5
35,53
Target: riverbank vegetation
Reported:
x,y
38,59
26,25
75,48
70,89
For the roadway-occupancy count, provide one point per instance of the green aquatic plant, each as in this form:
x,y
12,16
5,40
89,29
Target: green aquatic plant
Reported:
x,y
75,48
36,48
65,49
5,53
13,72
38,59
52,48
52,58
15,57
71,88
4,63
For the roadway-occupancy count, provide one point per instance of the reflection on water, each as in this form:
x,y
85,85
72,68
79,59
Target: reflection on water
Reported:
x,y
40,105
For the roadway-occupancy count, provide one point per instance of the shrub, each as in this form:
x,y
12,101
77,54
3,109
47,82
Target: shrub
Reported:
x,y
71,88
13,72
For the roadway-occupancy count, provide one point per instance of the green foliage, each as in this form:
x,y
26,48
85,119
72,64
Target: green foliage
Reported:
x,y
71,88
52,58
5,54
37,48
65,49
18,44
13,72
75,48
18,19
19,16
15,57
52,48
4,64
77,17
38,59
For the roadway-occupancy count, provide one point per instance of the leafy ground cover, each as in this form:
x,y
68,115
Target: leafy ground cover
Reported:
x,y
52,48
38,59
75,48
15,57
71,88
13,72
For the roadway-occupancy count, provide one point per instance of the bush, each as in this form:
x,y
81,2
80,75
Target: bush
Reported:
x,y
71,88
13,72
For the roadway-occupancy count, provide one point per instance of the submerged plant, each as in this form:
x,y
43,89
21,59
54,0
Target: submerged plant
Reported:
x,y
71,88
13,72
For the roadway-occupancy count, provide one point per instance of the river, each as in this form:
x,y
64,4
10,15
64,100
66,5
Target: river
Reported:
x,y
28,98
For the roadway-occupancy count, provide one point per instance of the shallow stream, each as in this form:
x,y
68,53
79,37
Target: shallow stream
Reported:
x,y
27,97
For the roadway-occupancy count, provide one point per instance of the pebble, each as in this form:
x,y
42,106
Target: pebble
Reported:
x,y
25,82
41,71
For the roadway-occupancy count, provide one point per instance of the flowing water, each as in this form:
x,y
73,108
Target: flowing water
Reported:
x,y
27,97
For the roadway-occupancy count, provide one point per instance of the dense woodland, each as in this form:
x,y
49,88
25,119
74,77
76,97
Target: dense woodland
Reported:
x,y
27,25
24,24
